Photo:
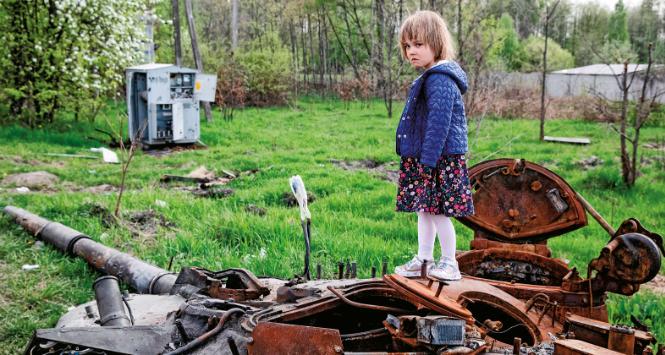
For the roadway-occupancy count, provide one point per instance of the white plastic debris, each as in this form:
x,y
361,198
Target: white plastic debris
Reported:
x,y
22,189
262,254
109,156
29,267
160,203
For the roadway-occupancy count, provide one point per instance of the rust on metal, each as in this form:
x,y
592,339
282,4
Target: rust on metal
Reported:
x,y
578,347
513,297
507,208
275,338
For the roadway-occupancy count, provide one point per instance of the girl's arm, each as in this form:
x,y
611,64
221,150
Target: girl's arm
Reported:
x,y
440,92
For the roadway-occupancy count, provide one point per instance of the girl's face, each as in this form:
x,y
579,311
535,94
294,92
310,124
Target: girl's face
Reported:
x,y
419,54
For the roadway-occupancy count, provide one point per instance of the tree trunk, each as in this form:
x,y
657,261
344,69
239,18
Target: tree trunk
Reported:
x,y
177,46
234,25
625,159
197,54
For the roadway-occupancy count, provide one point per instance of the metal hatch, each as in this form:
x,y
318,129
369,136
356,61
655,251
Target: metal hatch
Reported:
x,y
521,202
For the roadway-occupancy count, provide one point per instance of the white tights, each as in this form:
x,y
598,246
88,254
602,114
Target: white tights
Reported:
x,y
429,225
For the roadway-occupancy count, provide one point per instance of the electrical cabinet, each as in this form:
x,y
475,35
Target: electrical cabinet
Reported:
x,y
163,102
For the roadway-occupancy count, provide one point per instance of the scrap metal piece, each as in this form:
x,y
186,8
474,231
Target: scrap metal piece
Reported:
x,y
579,347
235,284
598,332
276,338
440,330
523,187
141,276
109,302
627,261
118,340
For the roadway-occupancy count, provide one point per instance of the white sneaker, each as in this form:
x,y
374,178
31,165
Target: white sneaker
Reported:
x,y
414,267
446,270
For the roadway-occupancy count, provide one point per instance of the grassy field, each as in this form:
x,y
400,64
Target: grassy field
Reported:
x,y
352,217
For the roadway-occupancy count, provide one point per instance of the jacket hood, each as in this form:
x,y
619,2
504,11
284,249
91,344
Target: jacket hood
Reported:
x,y
453,70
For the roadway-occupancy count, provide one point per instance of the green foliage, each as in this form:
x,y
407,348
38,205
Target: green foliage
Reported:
x,y
591,28
266,63
67,54
615,52
506,51
557,57
644,25
618,25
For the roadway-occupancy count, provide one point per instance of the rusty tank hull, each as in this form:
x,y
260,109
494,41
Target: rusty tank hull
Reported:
x,y
513,298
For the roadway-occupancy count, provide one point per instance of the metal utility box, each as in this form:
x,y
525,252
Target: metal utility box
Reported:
x,y
164,99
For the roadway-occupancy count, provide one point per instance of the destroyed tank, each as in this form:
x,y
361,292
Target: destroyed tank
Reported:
x,y
514,297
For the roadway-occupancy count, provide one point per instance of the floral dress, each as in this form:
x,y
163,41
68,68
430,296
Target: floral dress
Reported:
x,y
446,192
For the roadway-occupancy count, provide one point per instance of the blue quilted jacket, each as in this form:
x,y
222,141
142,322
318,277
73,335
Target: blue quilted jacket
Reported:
x,y
433,121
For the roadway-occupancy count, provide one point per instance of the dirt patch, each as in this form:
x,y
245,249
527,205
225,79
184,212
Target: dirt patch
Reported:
x,y
386,171
209,184
589,163
290,201
160,151
255,210
35,180
657,285
100,189
655,145
147,222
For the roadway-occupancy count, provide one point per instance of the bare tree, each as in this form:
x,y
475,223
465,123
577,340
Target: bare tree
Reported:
x,y
195,51
549,13
641,113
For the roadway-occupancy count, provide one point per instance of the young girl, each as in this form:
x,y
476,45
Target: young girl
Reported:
x,y
432,140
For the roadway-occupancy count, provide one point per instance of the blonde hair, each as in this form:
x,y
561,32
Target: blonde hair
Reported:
x,y
428,27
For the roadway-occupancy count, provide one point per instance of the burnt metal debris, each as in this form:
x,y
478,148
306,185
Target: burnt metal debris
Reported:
x,y
513,299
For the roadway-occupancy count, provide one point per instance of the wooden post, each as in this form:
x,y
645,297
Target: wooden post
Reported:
x,y
176,32
195,51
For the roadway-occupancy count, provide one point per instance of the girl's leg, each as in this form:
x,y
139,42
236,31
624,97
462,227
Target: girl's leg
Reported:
x,y
426,235
447,238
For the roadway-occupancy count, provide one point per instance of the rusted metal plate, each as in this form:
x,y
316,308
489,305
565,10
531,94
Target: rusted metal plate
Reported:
x,y
510,265
482,243
578,347
518,201
421,293
598,332
276,338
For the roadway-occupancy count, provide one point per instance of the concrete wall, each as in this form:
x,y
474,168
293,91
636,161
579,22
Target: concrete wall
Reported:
x,y
561,85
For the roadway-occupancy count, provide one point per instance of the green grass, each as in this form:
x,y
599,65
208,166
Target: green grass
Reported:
x,y
353,215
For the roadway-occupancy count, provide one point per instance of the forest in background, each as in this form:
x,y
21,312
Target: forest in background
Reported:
x,y
69,55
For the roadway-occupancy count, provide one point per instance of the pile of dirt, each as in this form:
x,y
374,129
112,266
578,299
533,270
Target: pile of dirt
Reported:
x,y
37,180
386,171
148,222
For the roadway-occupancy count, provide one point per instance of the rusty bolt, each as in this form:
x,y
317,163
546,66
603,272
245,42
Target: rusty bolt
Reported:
x,y
338,349
536,186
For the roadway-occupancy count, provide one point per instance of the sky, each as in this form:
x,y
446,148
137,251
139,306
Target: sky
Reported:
x,y
609,4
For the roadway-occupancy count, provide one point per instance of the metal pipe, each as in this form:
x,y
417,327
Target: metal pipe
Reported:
x,y
603,223
109,303
201,339
365,305
143,277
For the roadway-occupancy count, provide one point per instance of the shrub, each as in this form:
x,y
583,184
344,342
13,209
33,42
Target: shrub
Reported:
x,y
266,63
231,88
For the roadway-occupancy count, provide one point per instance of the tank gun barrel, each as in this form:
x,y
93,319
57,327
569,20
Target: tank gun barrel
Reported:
x,y
143,277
